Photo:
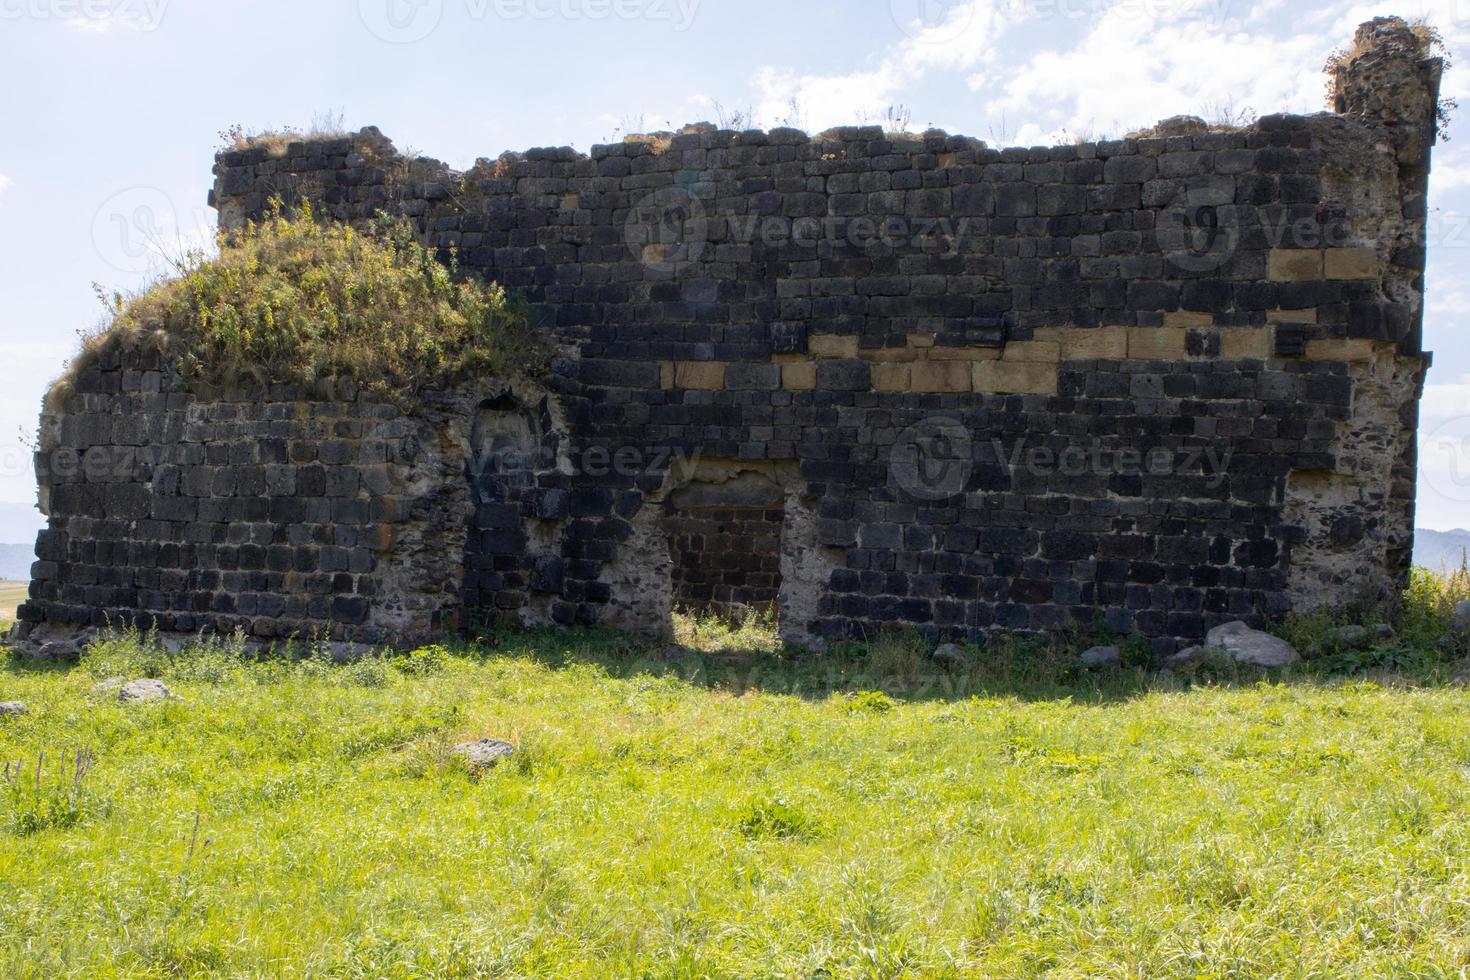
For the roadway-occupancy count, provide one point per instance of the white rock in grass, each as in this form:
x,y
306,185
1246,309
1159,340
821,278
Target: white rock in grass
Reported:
x,y
110,686
11,708
1462,617
146,690
1252,647
1103,657
948,653
485,753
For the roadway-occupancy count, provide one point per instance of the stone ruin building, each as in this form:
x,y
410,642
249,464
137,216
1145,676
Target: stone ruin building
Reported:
x,y
865,380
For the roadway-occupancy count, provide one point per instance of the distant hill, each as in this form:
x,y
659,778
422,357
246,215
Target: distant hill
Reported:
x,y
15,561
1438,550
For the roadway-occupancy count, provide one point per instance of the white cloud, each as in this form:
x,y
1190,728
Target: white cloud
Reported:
x,y
5,184
1129,71
963,38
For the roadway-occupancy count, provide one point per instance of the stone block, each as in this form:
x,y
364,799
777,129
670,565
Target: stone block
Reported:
x,y
832,345
891,377
1156,343
699,375
799,376
1351,263
941,376
1295,265
1247,343
1341,349
1015,378
1099,344
1032,351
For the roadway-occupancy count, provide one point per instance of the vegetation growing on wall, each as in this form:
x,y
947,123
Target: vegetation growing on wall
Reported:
x,y
293,300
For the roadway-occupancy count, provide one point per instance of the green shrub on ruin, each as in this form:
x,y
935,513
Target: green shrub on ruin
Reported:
x,y
295,300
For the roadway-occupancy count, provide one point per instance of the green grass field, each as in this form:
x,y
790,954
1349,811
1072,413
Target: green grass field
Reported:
x,y
12,594
735,814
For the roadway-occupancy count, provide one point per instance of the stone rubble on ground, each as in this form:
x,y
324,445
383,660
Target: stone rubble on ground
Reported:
x,y
144,690
12,708
485,753
1251,647
1103,657
948,653
1238,642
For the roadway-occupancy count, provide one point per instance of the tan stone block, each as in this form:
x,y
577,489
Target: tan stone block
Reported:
x,y
832,345
891,354
1351,263
1032,351
1340,349
1247,343
1292,316
1187,318
940,376
1096,344
789,358
891,377
699,375
1015,378
666,374
921,340
799,376
1295,264
1156,343
961,354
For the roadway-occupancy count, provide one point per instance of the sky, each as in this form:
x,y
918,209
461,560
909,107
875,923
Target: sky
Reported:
x,y
112,111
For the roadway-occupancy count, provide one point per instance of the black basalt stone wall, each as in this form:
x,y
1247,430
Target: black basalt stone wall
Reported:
x,y
1164,381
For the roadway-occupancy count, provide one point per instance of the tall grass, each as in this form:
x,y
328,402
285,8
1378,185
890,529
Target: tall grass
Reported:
x,y
294,300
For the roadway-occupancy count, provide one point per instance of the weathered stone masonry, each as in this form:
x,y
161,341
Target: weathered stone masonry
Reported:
x,y
1167,382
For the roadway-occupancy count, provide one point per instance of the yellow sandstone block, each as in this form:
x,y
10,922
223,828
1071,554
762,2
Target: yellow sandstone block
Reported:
x,y
1292,316
699,375
921,340
962,354
1247,343
1186,318
891,377
1295,264
666,374
1156,343
940,376
891,354
799,376
832,345
1097,344
1032,351
1340,349
1351,263
1015,378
